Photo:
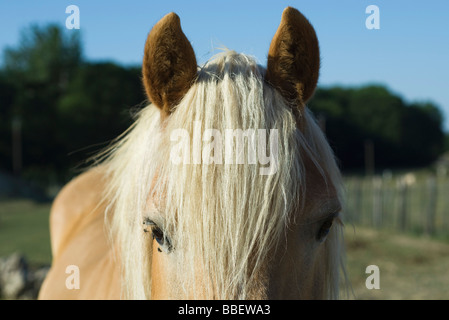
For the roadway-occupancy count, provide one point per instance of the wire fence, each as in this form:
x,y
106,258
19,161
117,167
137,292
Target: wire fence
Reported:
x,y
407,203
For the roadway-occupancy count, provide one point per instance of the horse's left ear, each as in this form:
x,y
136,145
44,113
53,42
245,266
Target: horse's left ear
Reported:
x,y
169,65
294,58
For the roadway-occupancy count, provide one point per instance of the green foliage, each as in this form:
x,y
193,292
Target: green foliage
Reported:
x,y
422,136
45,54
65,105
403,135
446,142
96,107
7,93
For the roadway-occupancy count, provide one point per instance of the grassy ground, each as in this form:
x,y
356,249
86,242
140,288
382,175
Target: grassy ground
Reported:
x,y
410,267
24,227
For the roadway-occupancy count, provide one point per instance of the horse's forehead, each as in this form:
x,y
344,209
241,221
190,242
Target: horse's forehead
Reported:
x,y
319,182
320,190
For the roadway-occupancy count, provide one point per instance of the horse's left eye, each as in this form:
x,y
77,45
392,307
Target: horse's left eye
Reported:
x,y
325,228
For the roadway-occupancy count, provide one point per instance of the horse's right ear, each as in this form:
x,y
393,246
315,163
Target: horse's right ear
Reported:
x,y
169,65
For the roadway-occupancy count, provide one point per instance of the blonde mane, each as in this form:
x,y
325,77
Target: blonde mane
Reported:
x,y
223,220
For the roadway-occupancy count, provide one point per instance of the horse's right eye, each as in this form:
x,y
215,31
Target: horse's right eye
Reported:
x,y
159,236
162,240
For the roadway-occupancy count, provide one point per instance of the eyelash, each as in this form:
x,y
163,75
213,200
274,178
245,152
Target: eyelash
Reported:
x,y
158,235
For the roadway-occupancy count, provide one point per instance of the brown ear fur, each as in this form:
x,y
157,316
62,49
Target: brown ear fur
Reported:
x,y
294,58
169,64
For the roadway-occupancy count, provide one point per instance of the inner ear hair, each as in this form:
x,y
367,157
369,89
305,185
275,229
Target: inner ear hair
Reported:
x,y
294,58
169,64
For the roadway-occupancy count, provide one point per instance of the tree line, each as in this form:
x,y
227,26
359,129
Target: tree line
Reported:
x,y
396,133
61,107
57,109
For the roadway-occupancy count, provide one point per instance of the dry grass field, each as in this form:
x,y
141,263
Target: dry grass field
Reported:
x,y
410,267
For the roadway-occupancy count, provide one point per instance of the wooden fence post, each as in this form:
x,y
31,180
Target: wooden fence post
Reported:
x,y
402,185
377,202
356,195
429,226
445,205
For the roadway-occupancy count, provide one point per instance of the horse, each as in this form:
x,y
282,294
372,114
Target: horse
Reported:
x,y
165,214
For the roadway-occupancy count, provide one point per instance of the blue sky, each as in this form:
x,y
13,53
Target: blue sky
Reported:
x,y
409,53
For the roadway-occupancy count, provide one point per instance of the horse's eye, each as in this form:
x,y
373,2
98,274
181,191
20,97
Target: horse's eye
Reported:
x,y
325,228
159,236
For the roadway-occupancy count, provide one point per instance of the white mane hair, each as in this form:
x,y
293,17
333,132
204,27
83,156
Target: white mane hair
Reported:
x,y
224,221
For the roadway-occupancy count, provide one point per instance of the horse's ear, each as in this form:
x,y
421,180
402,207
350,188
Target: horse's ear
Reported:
x,y
169,64
294,58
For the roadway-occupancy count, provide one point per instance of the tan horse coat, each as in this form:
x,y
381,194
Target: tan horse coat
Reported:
x,y
79,238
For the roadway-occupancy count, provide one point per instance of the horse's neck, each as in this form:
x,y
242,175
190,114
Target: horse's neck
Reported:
x,y
78,238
